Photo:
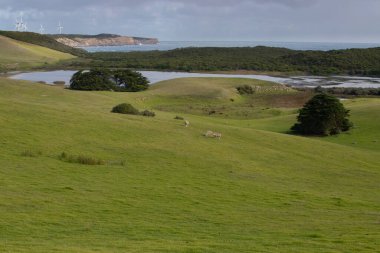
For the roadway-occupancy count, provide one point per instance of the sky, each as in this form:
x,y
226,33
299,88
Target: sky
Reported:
x,y
204,20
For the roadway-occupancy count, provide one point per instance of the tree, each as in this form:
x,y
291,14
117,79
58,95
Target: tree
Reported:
x,y
95,79
128,80
322,115
104,79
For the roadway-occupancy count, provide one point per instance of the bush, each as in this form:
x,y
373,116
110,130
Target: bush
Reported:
x,y
80,159
59,82
322,115
179,118
125,109
245,90
31,153
148,113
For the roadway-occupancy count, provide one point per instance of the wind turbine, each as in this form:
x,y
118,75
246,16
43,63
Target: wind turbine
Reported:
x,y
60,27
42,29
24,27
20,24
17,25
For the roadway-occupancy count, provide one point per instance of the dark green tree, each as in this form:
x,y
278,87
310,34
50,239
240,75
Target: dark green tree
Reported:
x,y
128,80
104,79
322,115
95,79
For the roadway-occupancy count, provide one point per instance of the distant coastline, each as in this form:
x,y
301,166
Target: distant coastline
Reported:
x,y
170,45
78,40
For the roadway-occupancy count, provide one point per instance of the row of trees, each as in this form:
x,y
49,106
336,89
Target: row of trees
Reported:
x,y
349,91
351,61
105,79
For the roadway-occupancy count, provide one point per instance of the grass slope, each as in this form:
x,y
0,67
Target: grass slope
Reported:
x,y
20,55
43,41
251,191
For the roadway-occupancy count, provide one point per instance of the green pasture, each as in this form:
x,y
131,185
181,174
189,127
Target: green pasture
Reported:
x,y
167,188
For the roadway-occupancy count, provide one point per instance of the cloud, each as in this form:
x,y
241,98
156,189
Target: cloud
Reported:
x,y
286,20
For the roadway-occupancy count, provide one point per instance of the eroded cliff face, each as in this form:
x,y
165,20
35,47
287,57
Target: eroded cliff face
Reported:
x,y
111,41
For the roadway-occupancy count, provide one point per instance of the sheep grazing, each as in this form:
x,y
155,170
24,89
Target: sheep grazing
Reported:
x,y
211,134
217,135
187,123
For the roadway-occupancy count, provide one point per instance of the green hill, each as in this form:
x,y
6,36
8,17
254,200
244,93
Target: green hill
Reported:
x,y
16,55
167,188
43,41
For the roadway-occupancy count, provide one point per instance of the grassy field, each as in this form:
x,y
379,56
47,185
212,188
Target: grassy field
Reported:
x,y
20,55
166,188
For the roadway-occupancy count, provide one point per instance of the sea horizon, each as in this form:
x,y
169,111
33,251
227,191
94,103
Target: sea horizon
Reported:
x,y
170,45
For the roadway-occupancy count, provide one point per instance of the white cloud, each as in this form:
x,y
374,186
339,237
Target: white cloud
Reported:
x,y
294,20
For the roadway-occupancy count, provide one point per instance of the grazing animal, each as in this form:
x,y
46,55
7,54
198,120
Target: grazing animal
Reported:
x,y
217,135
211,134
187,123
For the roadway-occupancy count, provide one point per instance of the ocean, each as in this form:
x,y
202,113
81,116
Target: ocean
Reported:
x,y
169,45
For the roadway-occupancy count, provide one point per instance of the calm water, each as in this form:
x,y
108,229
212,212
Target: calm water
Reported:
x,y
157,76
168,45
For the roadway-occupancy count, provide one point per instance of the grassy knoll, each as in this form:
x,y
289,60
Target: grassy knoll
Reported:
x,y
252,191
20,55
218,97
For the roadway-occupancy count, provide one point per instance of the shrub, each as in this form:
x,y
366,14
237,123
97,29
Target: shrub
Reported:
x,y
129,109
245,90
179,118
148,113
318,89
322,115
81,159
30,153
59,82
125,109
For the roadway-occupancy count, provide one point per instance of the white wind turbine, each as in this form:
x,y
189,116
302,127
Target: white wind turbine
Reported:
x,y
24,27
17,25
20,24
42,29
60,27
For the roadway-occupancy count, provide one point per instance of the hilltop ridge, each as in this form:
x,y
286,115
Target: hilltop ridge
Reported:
x,y
19,55
43,40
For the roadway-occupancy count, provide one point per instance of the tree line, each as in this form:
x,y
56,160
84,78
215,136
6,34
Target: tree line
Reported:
x,y
365,62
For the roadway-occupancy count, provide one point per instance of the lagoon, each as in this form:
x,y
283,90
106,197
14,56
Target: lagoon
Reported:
x,y
157,76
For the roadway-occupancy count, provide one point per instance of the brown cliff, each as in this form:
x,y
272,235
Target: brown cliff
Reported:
x,y
102,40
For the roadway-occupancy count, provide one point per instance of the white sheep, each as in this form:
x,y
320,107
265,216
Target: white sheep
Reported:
x,y
212,134
217,135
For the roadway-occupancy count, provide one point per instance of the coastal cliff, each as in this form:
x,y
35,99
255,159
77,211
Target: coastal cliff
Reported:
x,y
102,40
